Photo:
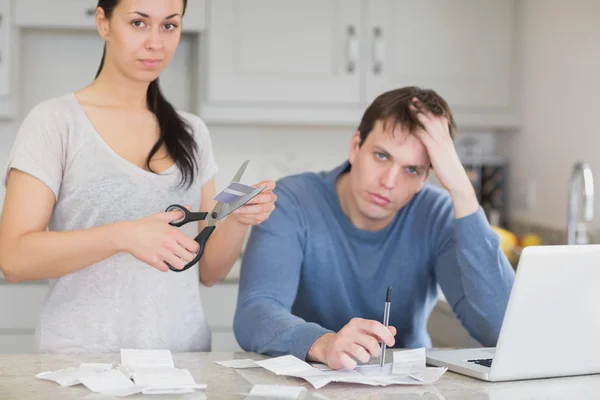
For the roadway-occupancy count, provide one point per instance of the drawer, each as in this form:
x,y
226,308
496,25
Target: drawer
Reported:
x,y
21,304
79,14
219,304
17,342
224,341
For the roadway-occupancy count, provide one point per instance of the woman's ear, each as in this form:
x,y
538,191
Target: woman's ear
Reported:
x,y
102,24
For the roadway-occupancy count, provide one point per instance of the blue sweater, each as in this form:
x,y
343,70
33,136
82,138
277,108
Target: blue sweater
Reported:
x,y
307,270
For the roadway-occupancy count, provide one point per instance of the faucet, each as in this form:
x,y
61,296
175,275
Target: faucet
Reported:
x,y
577,230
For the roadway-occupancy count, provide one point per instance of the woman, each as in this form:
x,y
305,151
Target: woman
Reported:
x,y
98,167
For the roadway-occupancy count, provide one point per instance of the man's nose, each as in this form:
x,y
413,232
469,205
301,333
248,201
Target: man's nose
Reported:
x,y
389,177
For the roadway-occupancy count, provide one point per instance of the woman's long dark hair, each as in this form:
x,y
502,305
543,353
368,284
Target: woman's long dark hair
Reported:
x,y
175,132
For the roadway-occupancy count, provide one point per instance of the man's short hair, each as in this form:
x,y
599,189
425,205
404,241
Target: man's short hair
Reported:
x,y
393,107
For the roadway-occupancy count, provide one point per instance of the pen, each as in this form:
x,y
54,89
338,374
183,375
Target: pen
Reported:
x,y
386,321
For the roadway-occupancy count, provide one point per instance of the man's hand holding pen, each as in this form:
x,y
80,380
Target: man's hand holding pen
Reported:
x,y
357,340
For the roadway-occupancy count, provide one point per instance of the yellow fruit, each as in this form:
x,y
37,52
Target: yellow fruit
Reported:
x,y
531,240
508,241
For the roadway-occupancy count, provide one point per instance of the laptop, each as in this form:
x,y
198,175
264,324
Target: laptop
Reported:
x,y
551,326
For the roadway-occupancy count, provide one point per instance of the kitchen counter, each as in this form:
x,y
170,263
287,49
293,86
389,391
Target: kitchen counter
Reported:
x,y
17,381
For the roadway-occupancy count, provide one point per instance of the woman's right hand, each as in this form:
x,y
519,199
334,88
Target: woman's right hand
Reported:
x,y
155,242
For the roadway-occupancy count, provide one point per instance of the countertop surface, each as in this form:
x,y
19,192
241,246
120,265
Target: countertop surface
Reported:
x,y
18,381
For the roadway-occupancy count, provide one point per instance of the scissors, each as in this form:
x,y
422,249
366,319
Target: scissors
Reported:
x,y
221,210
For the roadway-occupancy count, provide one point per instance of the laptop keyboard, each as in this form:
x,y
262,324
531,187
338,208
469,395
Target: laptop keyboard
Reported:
x,y
486,362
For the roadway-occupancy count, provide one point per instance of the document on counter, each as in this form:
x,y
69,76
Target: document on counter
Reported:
x,y
408,368
141,371
134,358
70,376
111,383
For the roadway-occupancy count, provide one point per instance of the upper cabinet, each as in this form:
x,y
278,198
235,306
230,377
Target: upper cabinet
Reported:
x,y
79,14
283,53
460,48
7,62
324,61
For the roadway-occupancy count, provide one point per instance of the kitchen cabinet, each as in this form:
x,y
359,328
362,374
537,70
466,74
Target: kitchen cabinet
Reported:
x,y
7,62
219,307
79,14
324,61
19,321
284,52
21,306
461,48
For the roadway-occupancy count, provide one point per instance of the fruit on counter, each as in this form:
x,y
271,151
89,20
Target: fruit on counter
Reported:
x,y
531,239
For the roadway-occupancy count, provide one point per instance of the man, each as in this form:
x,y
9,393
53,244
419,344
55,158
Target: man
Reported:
x,y
314,275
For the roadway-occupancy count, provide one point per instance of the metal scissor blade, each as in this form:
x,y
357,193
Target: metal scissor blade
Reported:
x,y
243,200
240,172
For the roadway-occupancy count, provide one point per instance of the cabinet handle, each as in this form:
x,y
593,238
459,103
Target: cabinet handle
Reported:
x,y
90,12
378,50
351,49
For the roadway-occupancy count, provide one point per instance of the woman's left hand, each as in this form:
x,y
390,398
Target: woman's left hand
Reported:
x,y
259,208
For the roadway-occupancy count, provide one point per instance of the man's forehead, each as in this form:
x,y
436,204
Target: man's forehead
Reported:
x,y
401,144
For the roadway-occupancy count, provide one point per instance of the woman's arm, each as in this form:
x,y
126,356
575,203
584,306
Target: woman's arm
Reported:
x,y
225,244
29,252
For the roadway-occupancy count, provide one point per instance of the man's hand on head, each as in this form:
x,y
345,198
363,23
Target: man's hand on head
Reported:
x,y
358,340
444,159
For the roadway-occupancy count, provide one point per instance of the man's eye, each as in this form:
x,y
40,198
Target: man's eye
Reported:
x,y
381,156
412,171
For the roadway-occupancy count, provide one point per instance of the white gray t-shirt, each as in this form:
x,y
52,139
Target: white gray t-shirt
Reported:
x,y
119,302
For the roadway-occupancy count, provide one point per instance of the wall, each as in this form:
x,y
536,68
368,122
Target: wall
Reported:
x,y
560,97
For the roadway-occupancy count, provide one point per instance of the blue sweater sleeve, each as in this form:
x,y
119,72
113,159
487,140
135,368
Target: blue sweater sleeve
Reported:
x,y
474,273
269,280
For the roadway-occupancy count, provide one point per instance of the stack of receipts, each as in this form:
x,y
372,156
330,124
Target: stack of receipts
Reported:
x,y
140,371
408,368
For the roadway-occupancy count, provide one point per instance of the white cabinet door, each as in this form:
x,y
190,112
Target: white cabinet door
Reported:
x,y
5,44
79,14
461,48
283,53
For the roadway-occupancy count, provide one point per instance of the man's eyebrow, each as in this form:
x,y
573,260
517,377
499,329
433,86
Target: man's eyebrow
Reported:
x,y
148,16
418,167
381,150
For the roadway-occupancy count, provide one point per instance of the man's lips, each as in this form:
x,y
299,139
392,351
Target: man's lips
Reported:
x,y
379,199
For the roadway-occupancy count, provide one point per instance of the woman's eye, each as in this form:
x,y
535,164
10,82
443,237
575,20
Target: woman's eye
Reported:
x,y
137,23
170,27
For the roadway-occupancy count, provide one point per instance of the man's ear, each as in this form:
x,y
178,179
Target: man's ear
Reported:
x,y
354,147
102,24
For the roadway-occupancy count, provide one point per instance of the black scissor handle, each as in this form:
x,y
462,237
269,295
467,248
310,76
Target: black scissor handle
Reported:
x,y
188,216
201,240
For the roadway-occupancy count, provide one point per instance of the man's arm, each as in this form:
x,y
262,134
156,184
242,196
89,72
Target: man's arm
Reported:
x,y
269,280
474,274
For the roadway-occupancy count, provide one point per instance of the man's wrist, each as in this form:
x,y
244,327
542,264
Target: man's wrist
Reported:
x,y
464,200
316,352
